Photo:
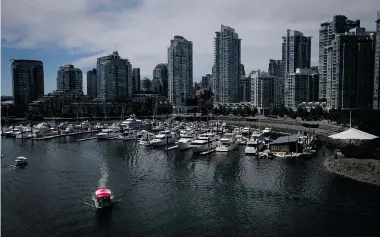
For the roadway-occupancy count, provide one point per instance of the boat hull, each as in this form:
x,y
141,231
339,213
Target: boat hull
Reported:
x,y
162,142
250,151
203,147
226,148
184,145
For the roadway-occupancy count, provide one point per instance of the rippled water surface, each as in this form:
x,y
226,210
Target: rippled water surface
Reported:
x,y
176,194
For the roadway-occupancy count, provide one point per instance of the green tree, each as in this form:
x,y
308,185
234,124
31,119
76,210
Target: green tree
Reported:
x,y
275,111
246,110
216,110
254,112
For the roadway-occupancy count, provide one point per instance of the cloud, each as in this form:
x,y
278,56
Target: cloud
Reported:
x,y
141,30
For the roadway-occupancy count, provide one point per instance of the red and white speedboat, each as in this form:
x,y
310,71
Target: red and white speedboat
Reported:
x,y
103,198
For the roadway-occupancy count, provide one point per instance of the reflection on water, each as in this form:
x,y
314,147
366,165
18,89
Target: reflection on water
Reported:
x,y
104,217
176,193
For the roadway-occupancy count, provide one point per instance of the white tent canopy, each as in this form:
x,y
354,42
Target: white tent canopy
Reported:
x,y
353,134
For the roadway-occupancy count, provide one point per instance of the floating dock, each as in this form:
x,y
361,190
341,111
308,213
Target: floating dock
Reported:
x,y
172,147
85,139
62,135
207,152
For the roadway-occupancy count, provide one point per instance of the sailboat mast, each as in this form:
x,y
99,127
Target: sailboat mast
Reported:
x,y
350,119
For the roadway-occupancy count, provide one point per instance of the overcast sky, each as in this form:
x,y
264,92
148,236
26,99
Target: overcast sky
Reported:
x,y
78,31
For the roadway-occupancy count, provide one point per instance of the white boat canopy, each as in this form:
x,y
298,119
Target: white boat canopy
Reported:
x,y
353,134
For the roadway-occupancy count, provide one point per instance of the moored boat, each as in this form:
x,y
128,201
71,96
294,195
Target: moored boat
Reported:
x,y
227,143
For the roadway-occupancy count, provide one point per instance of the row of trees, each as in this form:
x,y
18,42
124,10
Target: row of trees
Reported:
x,y
364,119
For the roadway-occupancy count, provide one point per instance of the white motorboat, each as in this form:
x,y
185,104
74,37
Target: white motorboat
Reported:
x,y
246,131
163,138
44,130
108,133
141,134
132,123
128,134
184,142
267,130
13,132
103,198
204,142
21,161
227,143
70,129
255,144
23,134
146,141
83,125
251,148
241,139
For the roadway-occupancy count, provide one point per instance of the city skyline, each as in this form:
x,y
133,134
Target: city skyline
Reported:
x,y
79,33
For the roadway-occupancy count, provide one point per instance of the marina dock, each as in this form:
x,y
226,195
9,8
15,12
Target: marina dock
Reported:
x,y
86,139
62,135
172,147
207,152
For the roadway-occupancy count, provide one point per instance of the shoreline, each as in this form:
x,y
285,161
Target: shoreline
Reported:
x,y
362,170
290,126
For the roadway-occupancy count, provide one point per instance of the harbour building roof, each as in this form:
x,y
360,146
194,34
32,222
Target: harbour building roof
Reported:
x,y
287,139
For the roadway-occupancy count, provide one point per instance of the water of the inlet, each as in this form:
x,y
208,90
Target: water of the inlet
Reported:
x,y
176,193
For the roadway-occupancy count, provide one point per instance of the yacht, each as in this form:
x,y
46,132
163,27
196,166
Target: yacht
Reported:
x,y
83,125
132,123
142,134
146,139
21,161
103,198
128,134
24,134
246,131
227,143
267,130
204,142
163,138
13,131
108,133
44,130
185,140
255,144
70,129
241,139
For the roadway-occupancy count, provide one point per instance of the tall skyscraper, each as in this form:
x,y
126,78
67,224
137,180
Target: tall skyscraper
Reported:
x,y
376,83
350,67
296,53
114,78
227,66
27,81
275,68
136,80
92,84
180,71
327,32
69,78
160,78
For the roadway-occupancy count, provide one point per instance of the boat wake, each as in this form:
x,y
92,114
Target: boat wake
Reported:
x,y
104,174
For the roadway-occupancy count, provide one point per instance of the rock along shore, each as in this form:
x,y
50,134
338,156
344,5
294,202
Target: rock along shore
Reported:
x,y
363,170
